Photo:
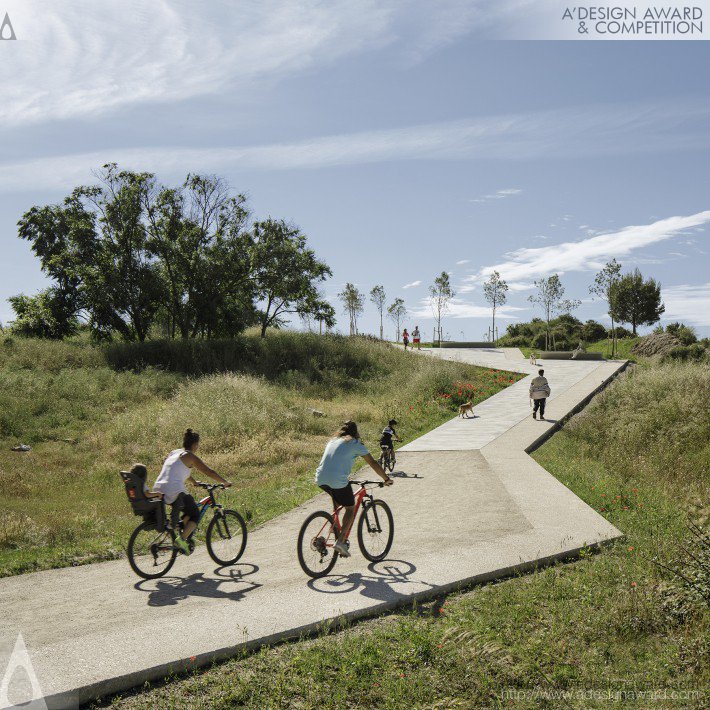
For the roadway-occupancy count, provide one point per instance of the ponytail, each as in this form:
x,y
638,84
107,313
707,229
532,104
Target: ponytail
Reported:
x,y
189,439
348,428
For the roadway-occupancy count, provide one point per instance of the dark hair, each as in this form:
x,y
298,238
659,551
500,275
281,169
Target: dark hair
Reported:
x,y
392,422
348,428
540,372
140,470
189,439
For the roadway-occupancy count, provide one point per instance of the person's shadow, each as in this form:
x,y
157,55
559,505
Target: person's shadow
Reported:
x,y
379,585
168,591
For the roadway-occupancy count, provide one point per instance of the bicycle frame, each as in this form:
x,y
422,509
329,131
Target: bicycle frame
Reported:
x,y
360,496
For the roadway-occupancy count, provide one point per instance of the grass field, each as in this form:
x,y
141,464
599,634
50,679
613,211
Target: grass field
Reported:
x,y
617,621
63,502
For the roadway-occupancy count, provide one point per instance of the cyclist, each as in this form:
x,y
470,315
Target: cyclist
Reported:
x,y
171,483
333,475
389,436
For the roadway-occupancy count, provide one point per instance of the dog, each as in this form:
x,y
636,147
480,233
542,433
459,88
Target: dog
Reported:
x,y
465,409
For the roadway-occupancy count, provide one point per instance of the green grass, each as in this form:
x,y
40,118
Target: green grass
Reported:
x,y
613,621
85,420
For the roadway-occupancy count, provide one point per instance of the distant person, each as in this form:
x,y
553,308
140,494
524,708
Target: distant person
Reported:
x,y
539,392
417,338
171,483
333,475
405,338
389,435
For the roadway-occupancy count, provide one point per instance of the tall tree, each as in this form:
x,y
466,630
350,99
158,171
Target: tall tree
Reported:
x,y
550,297
637,301
96,241
397,312
285,271
440,295
198,234
44,315
495,291
603,286
353,304
378,297
324,314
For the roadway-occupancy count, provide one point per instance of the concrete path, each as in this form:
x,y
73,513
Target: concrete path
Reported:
x,y
469,505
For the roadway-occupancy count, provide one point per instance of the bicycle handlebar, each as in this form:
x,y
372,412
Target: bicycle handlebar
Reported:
x,y
381,484
210,486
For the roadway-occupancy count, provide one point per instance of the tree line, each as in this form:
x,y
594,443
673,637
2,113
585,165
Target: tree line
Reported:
x,y
129,255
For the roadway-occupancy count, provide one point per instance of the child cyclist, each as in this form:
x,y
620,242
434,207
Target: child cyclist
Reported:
x,y
389,435
333,475
171,483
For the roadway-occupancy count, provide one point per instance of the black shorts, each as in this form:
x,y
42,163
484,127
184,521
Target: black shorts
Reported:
x,y
341,496
185,504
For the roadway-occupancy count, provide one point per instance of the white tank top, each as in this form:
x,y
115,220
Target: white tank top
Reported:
x,y
171,481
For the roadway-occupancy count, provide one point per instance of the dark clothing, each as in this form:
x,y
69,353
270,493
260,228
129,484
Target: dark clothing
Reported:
x,y
341,496
184,505
539,404
388,433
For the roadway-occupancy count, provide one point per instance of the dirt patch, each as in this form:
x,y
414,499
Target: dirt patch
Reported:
x,y
655,344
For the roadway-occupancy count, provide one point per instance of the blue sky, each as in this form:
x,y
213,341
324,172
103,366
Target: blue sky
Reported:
x,y
399,138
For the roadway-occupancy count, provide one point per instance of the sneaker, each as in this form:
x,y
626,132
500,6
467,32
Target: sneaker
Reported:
x,y
182,545
342,549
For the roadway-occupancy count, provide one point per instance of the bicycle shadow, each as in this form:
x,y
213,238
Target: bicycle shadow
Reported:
x,y
404,474
380,585
169,591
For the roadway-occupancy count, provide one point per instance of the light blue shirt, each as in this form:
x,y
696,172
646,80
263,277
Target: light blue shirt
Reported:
x,y
337,462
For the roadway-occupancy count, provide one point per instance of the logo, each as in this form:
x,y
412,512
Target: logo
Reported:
x,y
7,31
19,685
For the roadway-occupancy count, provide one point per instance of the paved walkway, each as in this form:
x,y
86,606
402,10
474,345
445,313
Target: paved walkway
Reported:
x,y
469,504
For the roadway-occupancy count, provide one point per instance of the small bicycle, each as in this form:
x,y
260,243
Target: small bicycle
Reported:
x,y
151,548
319,533
387,459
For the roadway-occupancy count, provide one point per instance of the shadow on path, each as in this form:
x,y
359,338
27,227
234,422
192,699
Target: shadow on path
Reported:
x,y
171,590
379,585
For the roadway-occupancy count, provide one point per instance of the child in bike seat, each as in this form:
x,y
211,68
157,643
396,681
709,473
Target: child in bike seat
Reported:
x,y
141,471
171,483
389,435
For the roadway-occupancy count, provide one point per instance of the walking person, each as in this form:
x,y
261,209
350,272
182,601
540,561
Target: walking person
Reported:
x,y
405,338
539,392
416,338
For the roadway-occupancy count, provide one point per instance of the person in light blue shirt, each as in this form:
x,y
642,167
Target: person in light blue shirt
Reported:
x,y
333,474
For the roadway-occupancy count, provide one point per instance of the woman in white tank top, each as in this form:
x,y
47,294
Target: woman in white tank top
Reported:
x,y
171,483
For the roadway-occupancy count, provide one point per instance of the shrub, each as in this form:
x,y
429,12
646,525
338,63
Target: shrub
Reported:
x,y
684,333
592,331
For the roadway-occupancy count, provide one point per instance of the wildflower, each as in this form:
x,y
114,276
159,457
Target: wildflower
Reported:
x,y
193,658
631,549
626,507
633,584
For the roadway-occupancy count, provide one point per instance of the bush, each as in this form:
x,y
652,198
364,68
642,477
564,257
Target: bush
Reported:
x,y
696,352
592,331
620,333
684,333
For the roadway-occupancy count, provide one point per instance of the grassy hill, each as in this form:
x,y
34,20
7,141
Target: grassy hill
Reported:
x,y
631,619
88,412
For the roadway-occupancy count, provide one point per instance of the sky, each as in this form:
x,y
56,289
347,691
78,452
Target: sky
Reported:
x,y
399,136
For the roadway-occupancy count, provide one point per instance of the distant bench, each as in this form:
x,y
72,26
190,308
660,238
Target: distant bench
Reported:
x,y
567,355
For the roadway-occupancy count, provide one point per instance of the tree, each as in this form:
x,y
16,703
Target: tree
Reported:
x,y
94,246
44,315
495,291
397,312
324,314
636,301
603,286
285,272
353,304
378,297
550,297
440,294
197,232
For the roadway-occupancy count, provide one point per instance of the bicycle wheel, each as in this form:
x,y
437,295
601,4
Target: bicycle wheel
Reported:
x,y
226,537
391,462
375,530
315,545
382,461
151,554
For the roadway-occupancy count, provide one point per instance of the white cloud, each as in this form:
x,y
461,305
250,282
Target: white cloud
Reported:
x,y
461,262
587,254
458,308
413,284
689,304
497,195
578,132
82,57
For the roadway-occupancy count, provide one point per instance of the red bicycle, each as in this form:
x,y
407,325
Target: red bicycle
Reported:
x,y
319,533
